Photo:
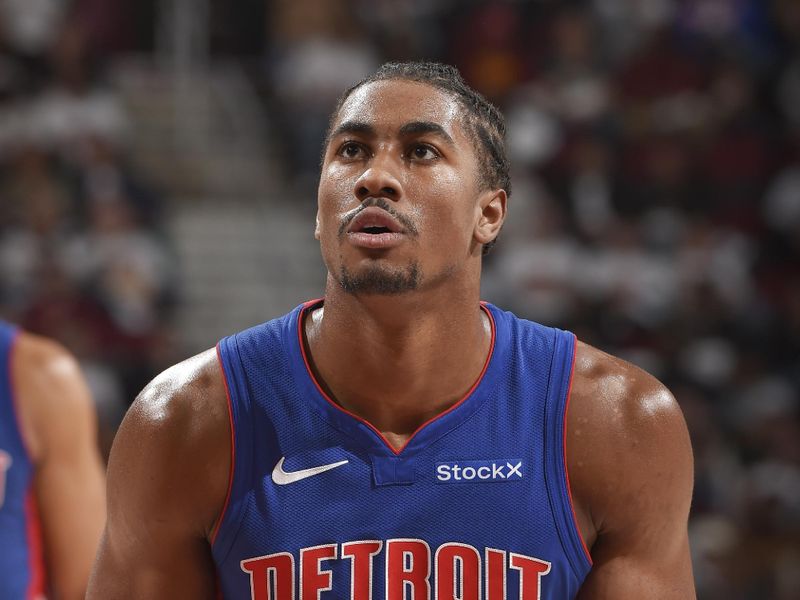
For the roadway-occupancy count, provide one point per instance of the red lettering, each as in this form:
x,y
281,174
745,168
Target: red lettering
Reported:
x,y
531,572
495,574
313,579
408,568
280,566
458,569
361,554
409,565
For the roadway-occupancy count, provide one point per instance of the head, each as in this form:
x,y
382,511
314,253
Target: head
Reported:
x,y
414,180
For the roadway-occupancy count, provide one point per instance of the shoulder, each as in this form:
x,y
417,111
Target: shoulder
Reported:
x,y
628,446
42,360
192,391
183,407
617,393
173,447
50,390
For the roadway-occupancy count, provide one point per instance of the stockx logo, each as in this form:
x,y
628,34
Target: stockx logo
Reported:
x,y
477,471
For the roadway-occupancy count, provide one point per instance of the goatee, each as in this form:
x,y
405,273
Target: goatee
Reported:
x,y
380,280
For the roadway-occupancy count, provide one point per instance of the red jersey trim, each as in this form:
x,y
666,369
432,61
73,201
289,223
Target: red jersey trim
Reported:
x,y
224,510
564,439
33,529
396,451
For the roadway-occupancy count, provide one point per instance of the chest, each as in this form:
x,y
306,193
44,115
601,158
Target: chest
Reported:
x,y
325,514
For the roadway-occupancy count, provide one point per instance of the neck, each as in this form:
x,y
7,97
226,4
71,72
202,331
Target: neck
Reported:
x,y
398,361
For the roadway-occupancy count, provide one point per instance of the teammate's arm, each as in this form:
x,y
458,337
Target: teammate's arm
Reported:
x,y
60,430
630,466
167,483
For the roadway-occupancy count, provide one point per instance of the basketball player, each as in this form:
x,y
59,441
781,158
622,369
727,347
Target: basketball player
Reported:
x,y
399,438
52,498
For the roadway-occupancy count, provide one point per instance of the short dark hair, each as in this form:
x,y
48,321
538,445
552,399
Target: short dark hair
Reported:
x,y
484,123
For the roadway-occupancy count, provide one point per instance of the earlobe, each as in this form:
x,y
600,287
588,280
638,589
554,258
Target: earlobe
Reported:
x,y
316,228
492,209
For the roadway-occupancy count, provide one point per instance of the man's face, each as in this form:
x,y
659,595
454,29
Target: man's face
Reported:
x,y
399,195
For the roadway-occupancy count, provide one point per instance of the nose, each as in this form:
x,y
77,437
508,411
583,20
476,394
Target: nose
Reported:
x,y
378,181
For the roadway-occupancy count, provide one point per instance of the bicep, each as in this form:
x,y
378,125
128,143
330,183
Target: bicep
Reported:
x,y
642,548
643,551
150,548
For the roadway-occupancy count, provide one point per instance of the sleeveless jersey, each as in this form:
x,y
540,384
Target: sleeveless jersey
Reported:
x,y
21,566
475,505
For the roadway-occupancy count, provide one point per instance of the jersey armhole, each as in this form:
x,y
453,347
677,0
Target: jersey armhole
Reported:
x,y
231,515
561,375
232,427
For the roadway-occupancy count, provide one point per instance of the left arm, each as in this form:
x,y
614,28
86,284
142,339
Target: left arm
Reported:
x,y
631,470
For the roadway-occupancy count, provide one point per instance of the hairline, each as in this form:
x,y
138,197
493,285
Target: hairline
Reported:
x,y
466,119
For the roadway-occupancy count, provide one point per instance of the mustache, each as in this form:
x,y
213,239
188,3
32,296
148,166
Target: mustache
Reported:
x,y
383,204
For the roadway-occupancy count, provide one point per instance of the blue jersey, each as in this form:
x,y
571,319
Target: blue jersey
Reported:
x,y
21,565
475,505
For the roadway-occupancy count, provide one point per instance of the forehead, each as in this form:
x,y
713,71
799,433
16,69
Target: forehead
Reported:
x,y
387,105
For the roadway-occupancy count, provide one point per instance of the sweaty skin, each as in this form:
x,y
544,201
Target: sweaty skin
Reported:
x,y
57,422
418,351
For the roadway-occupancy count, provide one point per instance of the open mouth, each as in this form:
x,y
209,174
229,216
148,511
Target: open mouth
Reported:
x,y
374,221
374,230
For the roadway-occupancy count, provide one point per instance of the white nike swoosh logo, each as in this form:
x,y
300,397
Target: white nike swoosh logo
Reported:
x,y
281,477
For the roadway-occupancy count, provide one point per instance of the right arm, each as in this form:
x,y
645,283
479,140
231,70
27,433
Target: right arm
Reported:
x,y
167,482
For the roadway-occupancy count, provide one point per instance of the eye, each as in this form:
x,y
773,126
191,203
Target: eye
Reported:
x,y
423,152
351,150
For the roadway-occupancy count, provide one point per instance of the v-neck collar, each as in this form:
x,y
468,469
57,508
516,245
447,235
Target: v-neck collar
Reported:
x,y
361,430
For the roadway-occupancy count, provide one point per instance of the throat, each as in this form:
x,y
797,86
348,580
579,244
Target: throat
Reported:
x,y
396,440
397,380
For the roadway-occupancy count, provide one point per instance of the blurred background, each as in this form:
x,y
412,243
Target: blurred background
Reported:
x,y
158,165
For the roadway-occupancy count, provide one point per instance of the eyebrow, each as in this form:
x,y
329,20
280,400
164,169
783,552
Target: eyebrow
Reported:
x,y
410,128
420,127
359,127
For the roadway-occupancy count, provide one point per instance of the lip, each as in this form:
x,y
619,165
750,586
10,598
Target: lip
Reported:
x,y
373,216
375,241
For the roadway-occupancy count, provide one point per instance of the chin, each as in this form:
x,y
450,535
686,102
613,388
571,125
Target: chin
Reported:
x,y
377,280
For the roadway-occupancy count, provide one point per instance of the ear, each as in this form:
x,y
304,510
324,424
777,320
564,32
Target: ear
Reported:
x,y
491,208
316,227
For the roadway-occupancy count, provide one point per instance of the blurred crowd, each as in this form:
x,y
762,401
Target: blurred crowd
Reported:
x,y
82,256
655,147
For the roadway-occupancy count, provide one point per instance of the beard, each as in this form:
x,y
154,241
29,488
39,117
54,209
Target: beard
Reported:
x,y
380,281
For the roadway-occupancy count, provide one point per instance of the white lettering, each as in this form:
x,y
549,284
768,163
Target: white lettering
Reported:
x,y
480,470
514,469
